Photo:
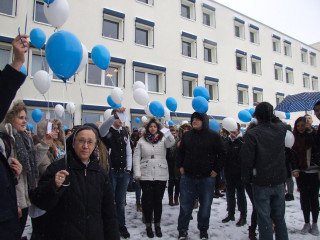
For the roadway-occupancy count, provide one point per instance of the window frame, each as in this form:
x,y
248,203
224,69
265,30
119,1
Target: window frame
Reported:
x,y
242,55
276,42
279,98
212,46
313,59
149,2
255,31
13,11
160,75
210,11
289,76
287,49
241,27
304,55
245,95
259,95
149,30
192,42
306,80
215,86
192,10
7,47
313,80
191,79
278,68
35,15
257,61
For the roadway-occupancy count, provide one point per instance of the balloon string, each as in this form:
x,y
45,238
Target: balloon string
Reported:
x,y
81,92
109,75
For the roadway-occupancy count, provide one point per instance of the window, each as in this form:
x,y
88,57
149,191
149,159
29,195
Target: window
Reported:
x,y
278,71
189,81
313,59
254,34
152,76
5,56
256,65
304,55
189,45
188,9
241,60
242,94
289,75
113,76
148,2
113,23
287,48
210,51
257,94
39,13
212,84
38,63
92,113
279,98
8,7
306,80
239,28
208,15
144,32
315,84
276,43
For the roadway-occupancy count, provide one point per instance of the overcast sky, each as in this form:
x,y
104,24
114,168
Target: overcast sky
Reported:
x,y
299,19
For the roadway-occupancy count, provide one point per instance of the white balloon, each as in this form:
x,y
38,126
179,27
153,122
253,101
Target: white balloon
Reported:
x,y
107,113
71,108
84,59
42,81
280,115
117,95
57,13
139,84
147,110
229,124
59,110
184,122
141,96
144,119
167,114
289,140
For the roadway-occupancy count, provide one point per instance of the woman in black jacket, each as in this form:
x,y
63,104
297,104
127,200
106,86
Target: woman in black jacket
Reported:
x,y
78,200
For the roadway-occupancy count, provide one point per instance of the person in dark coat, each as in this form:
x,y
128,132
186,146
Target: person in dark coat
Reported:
x,y
10,77
264,165
201,156
77,195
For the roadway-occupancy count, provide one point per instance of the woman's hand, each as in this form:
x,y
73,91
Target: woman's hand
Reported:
x,y
48,139
60,177
16,166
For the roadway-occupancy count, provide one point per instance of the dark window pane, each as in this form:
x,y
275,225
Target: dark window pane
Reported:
x,y
39,14
139,76
38,63
185,11
111,78
255,97
153,82
206,19
208,54
186,49
240,97
144,1
142,36
238,60
274,45
187,88
237,31
210,89
252,37
110,29
4,57
254,67
94,74
90,117
6,6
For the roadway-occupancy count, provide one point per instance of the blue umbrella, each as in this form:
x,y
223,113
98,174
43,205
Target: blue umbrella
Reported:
x,y
299,102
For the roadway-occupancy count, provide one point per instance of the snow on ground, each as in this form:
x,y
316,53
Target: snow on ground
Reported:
x,y
217,229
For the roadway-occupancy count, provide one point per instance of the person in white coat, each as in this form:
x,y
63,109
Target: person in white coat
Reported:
x,y
151,168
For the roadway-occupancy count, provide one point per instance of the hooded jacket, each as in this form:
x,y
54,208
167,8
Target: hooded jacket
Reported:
x,y
201,151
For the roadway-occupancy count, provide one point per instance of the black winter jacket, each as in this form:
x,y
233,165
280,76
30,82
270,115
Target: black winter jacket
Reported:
x,y
263,155
202,151
84,210
10,82
232,167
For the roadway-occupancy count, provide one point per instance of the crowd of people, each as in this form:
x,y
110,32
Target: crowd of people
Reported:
x,y
73,184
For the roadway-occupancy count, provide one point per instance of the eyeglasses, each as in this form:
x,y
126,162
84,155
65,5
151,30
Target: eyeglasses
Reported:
x,y
83,142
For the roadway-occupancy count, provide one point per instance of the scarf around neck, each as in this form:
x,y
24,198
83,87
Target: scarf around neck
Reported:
x,y
152,138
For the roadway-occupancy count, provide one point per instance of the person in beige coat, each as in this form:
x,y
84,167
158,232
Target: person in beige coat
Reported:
x,y
151,168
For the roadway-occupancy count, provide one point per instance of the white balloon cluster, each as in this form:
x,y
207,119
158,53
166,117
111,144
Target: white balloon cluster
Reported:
x,y
42,81
57,12
141,96
229,124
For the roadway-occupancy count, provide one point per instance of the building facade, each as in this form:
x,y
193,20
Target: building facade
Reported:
x,y
172,46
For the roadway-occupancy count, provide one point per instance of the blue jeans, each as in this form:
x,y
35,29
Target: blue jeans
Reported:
x,y
190,188
120,181
270,206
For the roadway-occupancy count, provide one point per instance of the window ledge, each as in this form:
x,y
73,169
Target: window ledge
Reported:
x,y
209,26
187,97
243,104
189,19
243,71
212,63
240,38
114,39
279,81
289,56
7,15
279,53
256,44
140,45
102,86
156,93
193,58
42,23
290,83
257,75
304,63
213,101
61,81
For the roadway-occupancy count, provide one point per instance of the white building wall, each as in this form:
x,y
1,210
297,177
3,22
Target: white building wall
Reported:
x,y
85,21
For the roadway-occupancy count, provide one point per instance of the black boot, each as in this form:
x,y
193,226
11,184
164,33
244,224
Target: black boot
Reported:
x,y
176,200
149,230
242,220
204,234
171,203
252,233
157,229
228,218
124,232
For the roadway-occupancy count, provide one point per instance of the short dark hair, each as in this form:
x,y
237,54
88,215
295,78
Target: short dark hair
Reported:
x,y
264,112
316,104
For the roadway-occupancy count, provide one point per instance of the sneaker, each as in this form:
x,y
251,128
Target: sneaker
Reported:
x,y
183,235
306,229
149,231
124,232
242,220
228,218
204,234
289,197
314,229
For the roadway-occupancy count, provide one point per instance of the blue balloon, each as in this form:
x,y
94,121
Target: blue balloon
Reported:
x,y
214,125
288,115
242,130
37,37
171,123
201,91
171,104
36,115
64,54
65,127
23,70
112,104
101,56
137,120
29,127
48,1
251,111
244,116
200,104
156,109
